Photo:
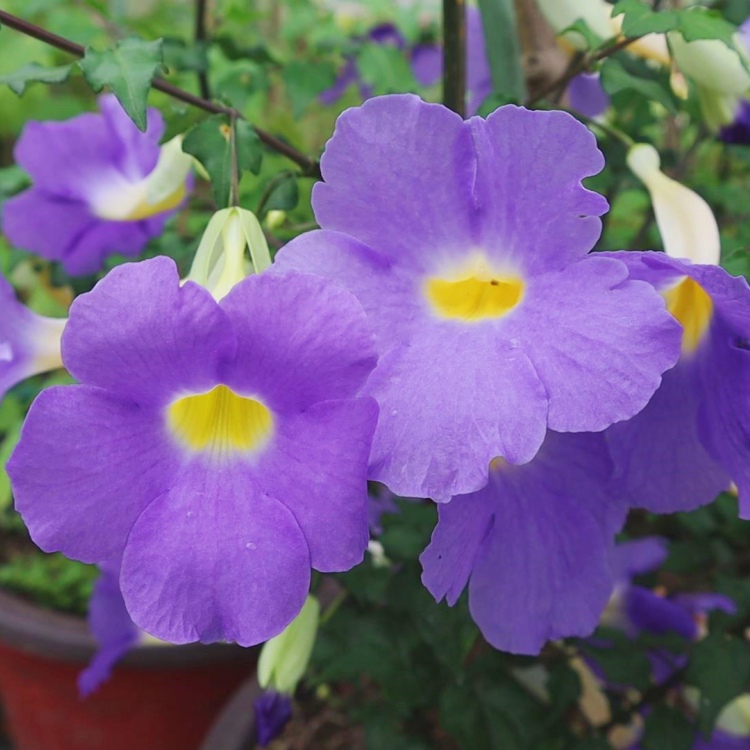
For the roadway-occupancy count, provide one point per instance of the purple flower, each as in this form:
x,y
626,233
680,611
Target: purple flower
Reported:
x,y
690,442
29,343
739,130
587,95
533,545
273,711
100,187
634,609
467,243
111,626
427,63
217,447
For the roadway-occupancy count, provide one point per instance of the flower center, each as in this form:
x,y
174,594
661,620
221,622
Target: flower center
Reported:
x,y
689,303
220,421
477,294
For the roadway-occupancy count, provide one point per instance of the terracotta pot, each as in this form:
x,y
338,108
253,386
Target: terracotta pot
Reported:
x,y
159,697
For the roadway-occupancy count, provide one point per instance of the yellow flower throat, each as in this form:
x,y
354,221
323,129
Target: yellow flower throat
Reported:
x,y
220,422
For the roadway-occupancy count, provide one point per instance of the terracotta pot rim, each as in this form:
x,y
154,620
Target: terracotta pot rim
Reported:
x,y
58,635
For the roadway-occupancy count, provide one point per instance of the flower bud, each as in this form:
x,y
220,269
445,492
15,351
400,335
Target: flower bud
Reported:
x,y
283,659
220,261
687,225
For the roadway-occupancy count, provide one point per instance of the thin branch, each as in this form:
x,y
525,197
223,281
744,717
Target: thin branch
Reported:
x,y
310,167
583,65
201,36
454,55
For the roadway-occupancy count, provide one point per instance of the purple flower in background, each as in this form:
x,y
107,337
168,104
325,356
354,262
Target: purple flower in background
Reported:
x,y
492,321
634,609
29,343
385,34
100,187
739,130
218,448
273,711
533,545
427,63
111,626
587,95
691,441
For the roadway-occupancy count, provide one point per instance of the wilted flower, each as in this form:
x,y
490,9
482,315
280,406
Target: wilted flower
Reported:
x,y
492,321
100,187
29,343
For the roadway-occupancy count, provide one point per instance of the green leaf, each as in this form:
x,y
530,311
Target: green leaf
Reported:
x,y
581,28
702,23
615,78
284,194
667,728
19,79
305,81
128,70
249,148
210,142
720,668
503,48
385,68
641,19
619,658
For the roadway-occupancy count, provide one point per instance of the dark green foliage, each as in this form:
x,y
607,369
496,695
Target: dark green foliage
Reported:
x,y
128,70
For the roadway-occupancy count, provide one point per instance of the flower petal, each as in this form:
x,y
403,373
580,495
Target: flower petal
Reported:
x,y
213,559
319,472
449,404
390,296
660,459
320,347
599,343
140,333
413,194
87,462
111,626
534,211
537,541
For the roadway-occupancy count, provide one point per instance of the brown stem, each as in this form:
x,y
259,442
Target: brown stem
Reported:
x,y
310,167
584,64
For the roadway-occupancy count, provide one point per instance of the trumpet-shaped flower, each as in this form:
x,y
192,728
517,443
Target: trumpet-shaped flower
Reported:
x,y
29,343
467,243
219,448
690,442
100,187
532,546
